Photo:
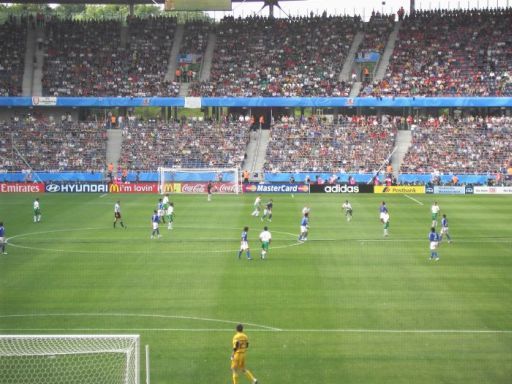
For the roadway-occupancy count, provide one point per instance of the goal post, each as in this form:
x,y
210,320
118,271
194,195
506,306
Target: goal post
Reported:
x,y
108,359
194,180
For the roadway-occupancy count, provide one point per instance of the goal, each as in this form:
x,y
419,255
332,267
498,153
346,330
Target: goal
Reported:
x,y
99,359
195,180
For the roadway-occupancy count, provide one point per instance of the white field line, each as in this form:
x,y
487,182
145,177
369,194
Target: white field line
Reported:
x,y
105,194
413,199
258,327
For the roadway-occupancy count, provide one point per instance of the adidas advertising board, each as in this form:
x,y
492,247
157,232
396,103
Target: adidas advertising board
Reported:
x,y
341,188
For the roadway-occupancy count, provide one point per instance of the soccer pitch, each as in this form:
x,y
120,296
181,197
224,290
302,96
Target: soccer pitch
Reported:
x,y
347,306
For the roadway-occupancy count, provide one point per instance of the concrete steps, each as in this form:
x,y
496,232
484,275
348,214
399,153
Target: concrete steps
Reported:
x,y
37,80
114,143
346,71
206,66
256,152
175,50
28,71
402,144
388,51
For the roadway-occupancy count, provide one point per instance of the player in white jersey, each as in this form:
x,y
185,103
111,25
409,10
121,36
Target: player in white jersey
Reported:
x,y
435,212
170,215
117,214
165,200
265,238
348,210
257,206
385,221
37,211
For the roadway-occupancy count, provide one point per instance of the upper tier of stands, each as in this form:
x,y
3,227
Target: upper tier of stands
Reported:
x,y
191,144
13,37
281,57
52,146
354,145
437,53
451,53
89,59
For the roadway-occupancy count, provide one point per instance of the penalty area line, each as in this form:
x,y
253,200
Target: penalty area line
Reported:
x,y
413,199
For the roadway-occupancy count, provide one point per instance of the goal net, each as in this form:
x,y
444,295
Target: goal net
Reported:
x,y
195,180
69,359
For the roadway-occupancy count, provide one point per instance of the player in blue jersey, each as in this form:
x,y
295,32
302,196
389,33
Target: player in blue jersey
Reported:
x,y
2,238
383,209
244,245
155,220
433,237
444,229
304,227
161,210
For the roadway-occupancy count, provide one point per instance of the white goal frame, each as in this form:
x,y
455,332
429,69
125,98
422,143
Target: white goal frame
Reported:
x,y
162,171
52,346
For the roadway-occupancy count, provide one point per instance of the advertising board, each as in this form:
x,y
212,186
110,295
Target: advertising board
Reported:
x,y
410,189
341,188
76,188
21,187
449,190
133,188
275,188
492,190
200,187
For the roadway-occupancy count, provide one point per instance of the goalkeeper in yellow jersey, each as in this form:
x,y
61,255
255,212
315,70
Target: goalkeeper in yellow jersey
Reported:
x,y
240,345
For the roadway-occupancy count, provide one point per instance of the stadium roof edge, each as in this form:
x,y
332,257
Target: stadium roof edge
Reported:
x,y
115,1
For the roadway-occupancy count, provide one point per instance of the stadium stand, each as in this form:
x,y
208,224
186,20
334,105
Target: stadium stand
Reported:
x,y
191,144
13,37
52,146
376,34
356,144
293,57
466,146
88,59
450,53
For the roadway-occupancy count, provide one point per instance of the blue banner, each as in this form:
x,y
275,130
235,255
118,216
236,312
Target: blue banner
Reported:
x,y
385,102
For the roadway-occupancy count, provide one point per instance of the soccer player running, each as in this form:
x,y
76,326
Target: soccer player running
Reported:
x,y
117,214
265,238
385,221
240,345
37,211
304,227
244,245
433,237
444,229
155,221
435,211
267,212
348,210
170,215
2,238
383,209
160,210
257,206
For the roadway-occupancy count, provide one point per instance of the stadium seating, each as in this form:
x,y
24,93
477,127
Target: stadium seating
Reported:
x,y
467,145
88,58
265,57
189,144
13,37
52,146
354,144
450,53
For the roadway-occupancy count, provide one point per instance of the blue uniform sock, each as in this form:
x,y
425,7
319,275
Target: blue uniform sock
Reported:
x,y
248,254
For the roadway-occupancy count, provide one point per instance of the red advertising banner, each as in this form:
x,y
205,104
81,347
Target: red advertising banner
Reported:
x,y
133,188
198,187
21,187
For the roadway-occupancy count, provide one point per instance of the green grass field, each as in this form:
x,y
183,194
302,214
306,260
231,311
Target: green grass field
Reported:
x,y
347,306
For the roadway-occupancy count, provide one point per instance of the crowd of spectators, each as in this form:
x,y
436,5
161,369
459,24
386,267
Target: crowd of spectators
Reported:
x,y
186,144
52,145
376,34
450,53
13,38
87,58
356,144
470,145
280,57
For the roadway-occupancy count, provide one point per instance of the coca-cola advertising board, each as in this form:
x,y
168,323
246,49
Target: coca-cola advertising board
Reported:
x,y
21,187
200,187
